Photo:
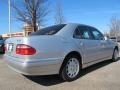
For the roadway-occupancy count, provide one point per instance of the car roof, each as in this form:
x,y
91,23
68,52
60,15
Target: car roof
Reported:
x,y
70,29
80,24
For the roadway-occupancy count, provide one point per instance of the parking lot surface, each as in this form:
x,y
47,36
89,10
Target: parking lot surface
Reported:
x,y
102,76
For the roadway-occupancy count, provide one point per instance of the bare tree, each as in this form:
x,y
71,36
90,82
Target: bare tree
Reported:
x,y
59,18
114,27
32,12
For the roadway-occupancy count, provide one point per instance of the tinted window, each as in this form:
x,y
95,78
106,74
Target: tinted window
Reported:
x,y
97,35
82,32
77,33
85,33
49,30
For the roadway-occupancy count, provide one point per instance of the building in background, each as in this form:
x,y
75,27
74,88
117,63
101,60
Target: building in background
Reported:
x,y
27,29
16,34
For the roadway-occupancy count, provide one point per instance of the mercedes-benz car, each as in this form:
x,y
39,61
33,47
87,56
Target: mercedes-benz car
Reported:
x,y
62,49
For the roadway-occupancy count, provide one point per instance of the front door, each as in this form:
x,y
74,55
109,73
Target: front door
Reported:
x,y
105,49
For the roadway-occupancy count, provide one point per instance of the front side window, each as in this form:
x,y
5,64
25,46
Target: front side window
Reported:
x,y
97,35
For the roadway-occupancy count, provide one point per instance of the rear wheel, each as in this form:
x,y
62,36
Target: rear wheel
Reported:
x,y
71,68
115,55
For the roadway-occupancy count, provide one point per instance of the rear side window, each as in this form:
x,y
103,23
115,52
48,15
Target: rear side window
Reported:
x,y
86,35
77,33
82,32
49,30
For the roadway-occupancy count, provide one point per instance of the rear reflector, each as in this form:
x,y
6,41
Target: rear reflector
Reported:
x,y
23,49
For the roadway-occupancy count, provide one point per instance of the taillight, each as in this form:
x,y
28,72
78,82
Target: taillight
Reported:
x,y
23,49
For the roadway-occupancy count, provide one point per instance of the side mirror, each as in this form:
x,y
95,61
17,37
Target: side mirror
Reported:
x,y
106,38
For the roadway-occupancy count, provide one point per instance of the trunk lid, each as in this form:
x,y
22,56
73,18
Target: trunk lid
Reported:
x,y
42,44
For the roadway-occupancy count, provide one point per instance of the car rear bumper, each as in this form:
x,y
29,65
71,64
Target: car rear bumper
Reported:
x,y
41,67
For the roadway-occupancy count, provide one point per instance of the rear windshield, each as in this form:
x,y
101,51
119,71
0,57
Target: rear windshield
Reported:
x,y
49,30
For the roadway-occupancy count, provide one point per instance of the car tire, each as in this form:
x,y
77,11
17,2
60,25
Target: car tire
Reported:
x,y
71,68
115,55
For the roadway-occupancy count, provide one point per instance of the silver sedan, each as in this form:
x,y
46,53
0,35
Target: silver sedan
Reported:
x,y
60,49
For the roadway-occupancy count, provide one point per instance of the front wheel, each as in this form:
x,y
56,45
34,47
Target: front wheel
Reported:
x,y
115,55
71,68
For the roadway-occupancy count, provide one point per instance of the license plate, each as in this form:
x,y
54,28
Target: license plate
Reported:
x,y
10,47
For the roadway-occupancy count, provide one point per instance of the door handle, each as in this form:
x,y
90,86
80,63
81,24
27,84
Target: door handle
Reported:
x,y
81,43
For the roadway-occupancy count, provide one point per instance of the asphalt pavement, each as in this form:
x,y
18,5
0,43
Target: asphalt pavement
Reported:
x,y
102,76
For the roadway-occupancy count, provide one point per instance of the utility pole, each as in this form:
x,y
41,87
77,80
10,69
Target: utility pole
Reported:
x,y
9,8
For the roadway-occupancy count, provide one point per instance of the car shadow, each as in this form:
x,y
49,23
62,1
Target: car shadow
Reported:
x,y
51,80
95,67
48,80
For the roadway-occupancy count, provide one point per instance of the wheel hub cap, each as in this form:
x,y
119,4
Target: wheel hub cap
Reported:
x,y
72,67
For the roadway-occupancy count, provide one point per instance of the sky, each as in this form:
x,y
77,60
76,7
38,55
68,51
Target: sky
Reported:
x,y
96,13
